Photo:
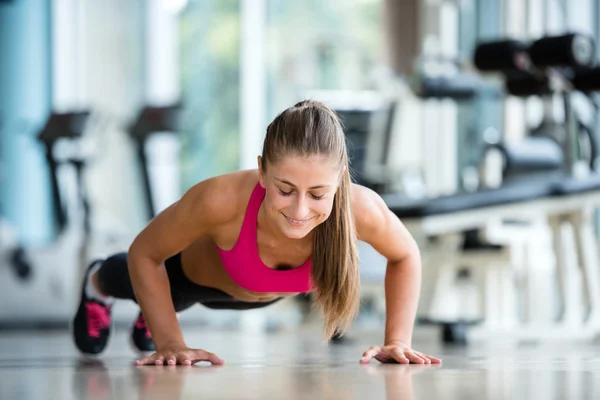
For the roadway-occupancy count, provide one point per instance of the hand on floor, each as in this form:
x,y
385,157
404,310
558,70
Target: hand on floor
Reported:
x,y
179,355
397,352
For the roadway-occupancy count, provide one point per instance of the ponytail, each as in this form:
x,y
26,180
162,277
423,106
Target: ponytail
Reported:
x,y
335,264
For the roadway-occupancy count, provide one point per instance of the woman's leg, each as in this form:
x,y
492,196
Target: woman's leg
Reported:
x,y
113,279
106,280
92,322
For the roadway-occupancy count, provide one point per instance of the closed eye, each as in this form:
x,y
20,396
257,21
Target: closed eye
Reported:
x,y
281,192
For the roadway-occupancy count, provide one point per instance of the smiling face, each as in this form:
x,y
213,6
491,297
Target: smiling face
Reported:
x,y
299,193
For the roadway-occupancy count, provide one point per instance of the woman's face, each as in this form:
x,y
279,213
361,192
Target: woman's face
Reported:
x,y
299,192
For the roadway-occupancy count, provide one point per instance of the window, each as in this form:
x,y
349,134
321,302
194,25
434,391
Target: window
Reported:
x,y
320,45
210,67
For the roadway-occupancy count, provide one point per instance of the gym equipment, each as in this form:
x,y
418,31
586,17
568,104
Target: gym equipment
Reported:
x,y
68,126
512,56
562,197
151,120
464,88
547,190
504,56
57,127
524,84
530,159
459,86
361,116
547,67
11,252
571,50
58,266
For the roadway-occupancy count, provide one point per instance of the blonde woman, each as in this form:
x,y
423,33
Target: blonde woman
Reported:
x,y
247,239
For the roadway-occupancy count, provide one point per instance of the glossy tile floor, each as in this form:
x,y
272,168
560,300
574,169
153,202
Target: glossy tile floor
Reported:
x,y
44,365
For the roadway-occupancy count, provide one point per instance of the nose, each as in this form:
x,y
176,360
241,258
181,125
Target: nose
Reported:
x,y
300,208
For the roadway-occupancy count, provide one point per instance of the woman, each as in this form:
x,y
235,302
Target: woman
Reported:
x,y
249,238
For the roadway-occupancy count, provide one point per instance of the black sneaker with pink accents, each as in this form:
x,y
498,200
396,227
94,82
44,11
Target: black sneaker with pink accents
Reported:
x,y
91,325
141,336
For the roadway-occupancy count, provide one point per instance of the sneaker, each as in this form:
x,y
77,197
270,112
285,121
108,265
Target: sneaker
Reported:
x,y
91,325
141,336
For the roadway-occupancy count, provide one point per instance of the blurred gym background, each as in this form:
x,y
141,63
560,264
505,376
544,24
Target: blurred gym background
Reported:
x,y
475,119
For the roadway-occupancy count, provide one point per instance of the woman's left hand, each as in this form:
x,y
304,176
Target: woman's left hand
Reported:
x,y
397,352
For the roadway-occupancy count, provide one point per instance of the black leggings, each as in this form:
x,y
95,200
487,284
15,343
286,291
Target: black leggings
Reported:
x,y
114,280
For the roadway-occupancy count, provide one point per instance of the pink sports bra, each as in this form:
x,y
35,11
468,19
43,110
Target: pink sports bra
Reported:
x,y
244,266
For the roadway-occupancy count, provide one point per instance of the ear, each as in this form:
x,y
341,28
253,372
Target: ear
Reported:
x,y
261,174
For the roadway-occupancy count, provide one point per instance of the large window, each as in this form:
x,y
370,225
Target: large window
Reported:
x,y
210,49
309,45
320,45
24,105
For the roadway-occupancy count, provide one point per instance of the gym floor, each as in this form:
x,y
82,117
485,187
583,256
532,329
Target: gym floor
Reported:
x,y
294,365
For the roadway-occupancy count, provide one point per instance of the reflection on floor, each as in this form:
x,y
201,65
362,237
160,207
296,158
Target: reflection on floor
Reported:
x,y
296,366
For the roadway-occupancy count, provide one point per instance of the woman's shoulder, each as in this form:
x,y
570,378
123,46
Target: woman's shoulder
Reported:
x,y
368,208
224,197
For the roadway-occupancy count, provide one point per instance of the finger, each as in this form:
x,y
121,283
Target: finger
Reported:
x,y
369,354
214,359
206,356
159,360
145,361
414,358
400,357
434,360
371,350
171,360
183,359
141,361
422,356
428,359
425,357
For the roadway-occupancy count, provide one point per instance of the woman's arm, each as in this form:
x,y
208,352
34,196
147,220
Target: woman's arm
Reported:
x,y
195,215
379,227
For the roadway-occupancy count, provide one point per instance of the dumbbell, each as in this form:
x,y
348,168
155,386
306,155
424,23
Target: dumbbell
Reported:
x,y
461,86
587,79
501,56
507,56
523,84
571,50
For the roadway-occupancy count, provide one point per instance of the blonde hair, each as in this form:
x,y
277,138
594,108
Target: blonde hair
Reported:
x,y
311,128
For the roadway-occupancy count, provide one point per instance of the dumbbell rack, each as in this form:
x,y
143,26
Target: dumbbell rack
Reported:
x,y
560,65
552,64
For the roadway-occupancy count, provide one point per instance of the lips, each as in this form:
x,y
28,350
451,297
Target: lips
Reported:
x,y
296,222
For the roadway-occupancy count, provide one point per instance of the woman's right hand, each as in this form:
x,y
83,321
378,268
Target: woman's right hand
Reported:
x,y
179,355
